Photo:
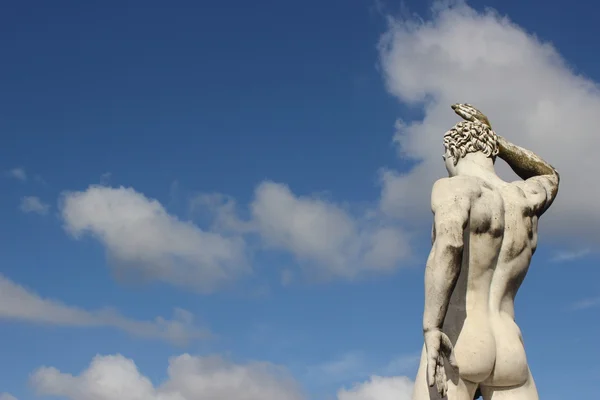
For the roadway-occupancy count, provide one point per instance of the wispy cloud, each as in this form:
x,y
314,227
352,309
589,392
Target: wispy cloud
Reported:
x,y
586,303
17,173
402,365
105,178
33,204
356,365
19,303
349,365
287,276
562,256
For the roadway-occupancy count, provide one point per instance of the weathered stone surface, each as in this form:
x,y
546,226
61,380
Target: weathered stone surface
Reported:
x,y
483,238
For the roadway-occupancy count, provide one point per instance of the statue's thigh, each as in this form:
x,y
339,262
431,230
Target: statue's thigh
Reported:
x,y
527,391
458,389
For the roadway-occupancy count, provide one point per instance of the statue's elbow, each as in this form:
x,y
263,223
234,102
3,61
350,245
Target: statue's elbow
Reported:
x,y
450,242
448,257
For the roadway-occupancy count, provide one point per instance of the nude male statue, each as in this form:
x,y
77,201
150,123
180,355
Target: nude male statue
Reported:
x,y
484,235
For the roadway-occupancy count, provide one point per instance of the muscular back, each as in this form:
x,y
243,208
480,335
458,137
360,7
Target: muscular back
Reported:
x,y
524,202
518,245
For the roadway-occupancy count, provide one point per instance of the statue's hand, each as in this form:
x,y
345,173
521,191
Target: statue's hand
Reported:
x,y
438,347
470,113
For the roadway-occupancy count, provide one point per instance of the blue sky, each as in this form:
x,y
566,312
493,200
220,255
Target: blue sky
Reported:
x,y
257,176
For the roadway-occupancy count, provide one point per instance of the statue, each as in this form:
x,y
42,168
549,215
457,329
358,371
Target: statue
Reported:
x,y
484,235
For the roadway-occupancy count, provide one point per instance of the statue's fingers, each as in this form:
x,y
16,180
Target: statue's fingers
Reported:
x,y
444,390
448,349
444,381
437,378
431,365
440,389
432,355
440,378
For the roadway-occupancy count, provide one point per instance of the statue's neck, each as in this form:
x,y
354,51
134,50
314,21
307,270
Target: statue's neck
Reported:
x,y
476,164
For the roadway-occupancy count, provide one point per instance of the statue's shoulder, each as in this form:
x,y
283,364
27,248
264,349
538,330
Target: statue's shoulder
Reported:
x,y
457,190
468,185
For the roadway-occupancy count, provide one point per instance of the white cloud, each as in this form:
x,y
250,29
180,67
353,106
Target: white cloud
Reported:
x,y
7,396
222,210
33,204
141,237
18,303
189,378
520,82
324,235
326,238
379,388
17,173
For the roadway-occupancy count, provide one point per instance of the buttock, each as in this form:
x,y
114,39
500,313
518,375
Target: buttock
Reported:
x,y
475,349
510,367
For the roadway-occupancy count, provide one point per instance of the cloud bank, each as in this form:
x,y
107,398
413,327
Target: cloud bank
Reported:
x,y
190,378
141,237
18,303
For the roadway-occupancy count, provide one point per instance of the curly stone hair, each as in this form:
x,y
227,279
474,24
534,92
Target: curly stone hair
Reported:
x,y
470,137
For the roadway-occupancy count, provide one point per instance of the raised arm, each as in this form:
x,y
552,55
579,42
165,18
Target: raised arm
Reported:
x,y
541,179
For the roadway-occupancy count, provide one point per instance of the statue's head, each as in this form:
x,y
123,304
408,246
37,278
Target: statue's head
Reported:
x,y
469,137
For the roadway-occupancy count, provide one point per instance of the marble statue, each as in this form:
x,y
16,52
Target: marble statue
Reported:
x,y
484,235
